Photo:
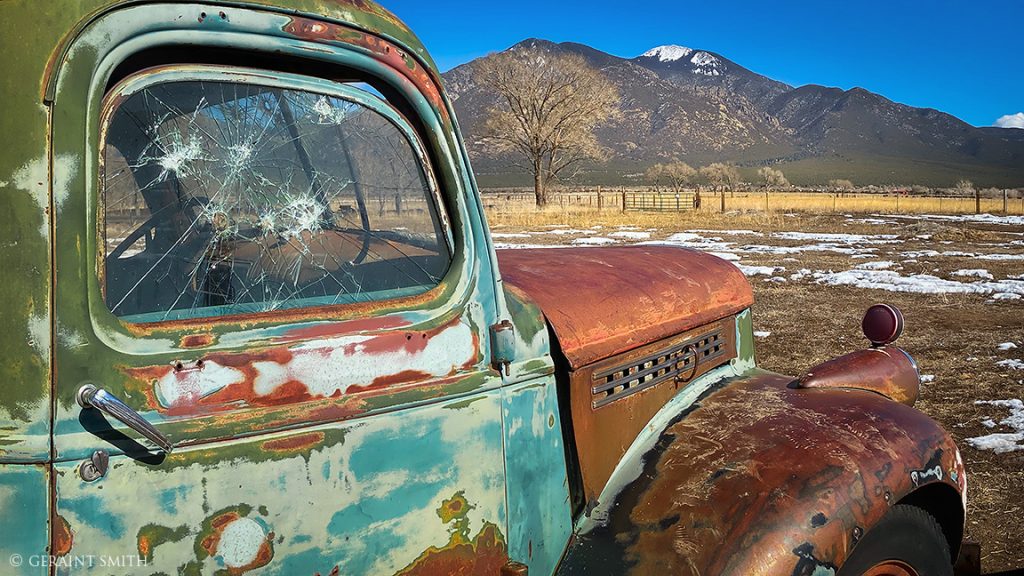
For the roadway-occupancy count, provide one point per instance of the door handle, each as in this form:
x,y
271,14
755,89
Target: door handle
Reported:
x,y
89,396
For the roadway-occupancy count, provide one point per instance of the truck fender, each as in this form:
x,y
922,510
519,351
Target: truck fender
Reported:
x,y
755,477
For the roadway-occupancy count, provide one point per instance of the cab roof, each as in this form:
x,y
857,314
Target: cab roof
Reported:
x,y
363,14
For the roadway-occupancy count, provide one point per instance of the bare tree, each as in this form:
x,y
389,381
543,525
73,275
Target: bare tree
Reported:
x,y
550,105
655,174
841,184
772,177
966,187
720,175
679,174
676,174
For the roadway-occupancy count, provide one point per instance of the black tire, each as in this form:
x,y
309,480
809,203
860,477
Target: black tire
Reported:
x,y
906,534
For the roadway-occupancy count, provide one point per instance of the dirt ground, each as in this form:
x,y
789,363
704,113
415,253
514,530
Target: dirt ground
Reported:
x,y
810,315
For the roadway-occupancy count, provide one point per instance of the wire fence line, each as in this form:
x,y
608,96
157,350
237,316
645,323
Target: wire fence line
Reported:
x,y
625,199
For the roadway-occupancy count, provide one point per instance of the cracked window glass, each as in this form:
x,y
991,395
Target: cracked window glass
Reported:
x,y
225,197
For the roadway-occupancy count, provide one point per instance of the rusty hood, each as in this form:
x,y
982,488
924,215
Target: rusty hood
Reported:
x,y
604,301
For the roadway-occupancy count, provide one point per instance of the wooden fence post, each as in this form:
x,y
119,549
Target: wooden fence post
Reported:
x,y
623,200
722,199
1005,201
977,201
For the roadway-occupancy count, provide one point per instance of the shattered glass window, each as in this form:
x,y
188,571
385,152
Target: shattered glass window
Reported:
x,y
224,197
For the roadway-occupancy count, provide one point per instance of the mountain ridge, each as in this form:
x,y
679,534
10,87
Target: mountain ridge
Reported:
x,y
699,106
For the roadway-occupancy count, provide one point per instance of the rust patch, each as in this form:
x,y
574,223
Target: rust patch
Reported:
x,y
485,553
382,50
887,371
196,340
640,294
604,434
62,538
333,329
392,379
762,462
294,443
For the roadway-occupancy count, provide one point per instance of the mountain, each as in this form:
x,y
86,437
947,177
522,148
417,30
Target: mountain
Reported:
x,y
700,107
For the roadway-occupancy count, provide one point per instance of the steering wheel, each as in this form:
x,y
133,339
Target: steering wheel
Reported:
x,y
151,224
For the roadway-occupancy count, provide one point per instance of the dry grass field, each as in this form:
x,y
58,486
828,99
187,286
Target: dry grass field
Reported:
x,y
958,280
588,200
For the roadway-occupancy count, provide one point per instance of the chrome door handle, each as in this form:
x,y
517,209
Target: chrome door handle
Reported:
x,y
89,396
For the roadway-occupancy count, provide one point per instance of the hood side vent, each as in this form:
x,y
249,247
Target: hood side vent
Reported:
x,y
680,362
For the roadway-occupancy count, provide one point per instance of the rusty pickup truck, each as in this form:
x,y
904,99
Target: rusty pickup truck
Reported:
x,y
255,324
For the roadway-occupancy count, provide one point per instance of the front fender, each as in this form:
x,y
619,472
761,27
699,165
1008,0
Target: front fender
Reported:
x,y
757,478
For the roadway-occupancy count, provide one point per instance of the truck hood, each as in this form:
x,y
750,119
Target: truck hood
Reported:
x,y
605,301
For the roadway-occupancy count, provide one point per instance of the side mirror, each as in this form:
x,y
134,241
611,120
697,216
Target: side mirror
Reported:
x,y
886,370
882,324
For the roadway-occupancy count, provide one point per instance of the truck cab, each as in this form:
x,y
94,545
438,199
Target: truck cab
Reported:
x,y
256,325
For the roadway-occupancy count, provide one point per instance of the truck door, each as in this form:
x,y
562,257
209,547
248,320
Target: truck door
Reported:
x,y
262,268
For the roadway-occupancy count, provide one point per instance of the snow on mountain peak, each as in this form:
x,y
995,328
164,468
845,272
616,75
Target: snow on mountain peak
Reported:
x,y
668,53
706,64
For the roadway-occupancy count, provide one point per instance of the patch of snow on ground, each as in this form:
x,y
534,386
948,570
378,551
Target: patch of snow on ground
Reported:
x,y
593,241
878,221
822,247
1006,296
916,283
1006,346
761,334
841,238
561,231
510,235
961,254
877,265
630,235
978,218
731,232
974,273
926,378
1011,363
514,246
726,256
691,240
759,270
1001,443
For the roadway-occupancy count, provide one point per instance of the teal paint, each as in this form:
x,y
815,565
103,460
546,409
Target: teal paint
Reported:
x,y
24,505
374,513
540,520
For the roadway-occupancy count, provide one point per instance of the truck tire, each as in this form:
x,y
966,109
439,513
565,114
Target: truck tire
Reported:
x,y
906,542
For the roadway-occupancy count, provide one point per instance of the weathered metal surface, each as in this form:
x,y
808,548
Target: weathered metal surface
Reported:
x,y
603,434
633,296
24,492
755,477
423,493
25,187
348,439
887,371
540,519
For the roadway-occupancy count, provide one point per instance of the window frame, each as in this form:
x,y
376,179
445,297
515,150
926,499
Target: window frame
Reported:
x,y
346,90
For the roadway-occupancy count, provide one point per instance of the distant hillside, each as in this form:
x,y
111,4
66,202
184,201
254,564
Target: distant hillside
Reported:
x,y
700,107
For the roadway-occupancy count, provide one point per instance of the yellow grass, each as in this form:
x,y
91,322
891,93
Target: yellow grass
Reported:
x,y
519,209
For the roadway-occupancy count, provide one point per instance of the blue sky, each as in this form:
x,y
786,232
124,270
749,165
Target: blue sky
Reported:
x,y
962,57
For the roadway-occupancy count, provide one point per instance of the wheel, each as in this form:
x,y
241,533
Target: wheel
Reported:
x,y
907,542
